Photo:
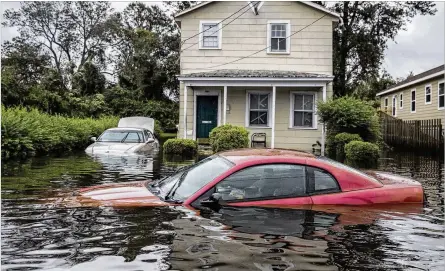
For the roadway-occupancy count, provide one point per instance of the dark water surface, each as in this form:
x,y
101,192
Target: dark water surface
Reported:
x,y
39,235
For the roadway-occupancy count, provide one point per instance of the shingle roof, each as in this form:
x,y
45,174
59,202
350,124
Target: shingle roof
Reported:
x,y
414,78
253,74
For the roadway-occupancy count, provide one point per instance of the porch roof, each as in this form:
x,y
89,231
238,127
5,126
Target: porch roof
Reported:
x,y
243,74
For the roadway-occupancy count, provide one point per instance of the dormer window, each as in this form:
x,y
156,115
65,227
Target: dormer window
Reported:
x,y
210,37
277,33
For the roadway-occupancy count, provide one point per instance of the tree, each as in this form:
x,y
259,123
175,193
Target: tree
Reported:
x,y
69,32
368,88
147,54
361,40
178,6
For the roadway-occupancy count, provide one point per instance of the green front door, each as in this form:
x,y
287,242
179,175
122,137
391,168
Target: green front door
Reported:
x,y
207,115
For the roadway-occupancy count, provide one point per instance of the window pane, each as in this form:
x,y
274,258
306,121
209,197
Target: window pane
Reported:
x,y
308,119
308,102
258,117
428,90
210,41
413,96
254,98
441,101
282,44
441,89
324,181
298,102
413,106
210,30
265,181
263,102
274,45
298,119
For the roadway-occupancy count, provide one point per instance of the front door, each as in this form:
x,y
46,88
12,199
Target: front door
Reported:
x,y
207,115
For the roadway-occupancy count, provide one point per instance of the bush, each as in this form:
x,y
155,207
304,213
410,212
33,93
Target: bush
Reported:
x,y
362,154
227,137
158,129
350,115
340,140
29,132
183,147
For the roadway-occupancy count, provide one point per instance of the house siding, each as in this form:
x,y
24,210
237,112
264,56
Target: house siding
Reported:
x,y
423,111
310,50
285,137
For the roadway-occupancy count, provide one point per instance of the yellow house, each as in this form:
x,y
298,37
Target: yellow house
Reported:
x,y
258,64
419,97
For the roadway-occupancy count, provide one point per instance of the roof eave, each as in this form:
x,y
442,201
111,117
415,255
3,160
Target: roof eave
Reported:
x,y
313,5
324,78
410,83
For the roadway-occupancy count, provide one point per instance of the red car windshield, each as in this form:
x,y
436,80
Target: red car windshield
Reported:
x,y
189,180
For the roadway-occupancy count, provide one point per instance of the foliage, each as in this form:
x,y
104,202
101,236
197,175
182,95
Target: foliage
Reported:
x,y
178,146
227,137
361,39
362,154
369,87
158,129
57,63
338,146
28,132
350,115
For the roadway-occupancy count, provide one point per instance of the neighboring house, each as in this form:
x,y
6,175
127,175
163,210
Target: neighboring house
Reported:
x,y
419,97
273,91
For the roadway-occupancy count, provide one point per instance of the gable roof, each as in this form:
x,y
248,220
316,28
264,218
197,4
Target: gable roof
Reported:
x,y
434,72
313,5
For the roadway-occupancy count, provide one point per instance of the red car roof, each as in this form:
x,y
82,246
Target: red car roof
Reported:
x,y
242,155
349,179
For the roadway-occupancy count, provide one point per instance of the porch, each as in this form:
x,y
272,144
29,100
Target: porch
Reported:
x,y
281,105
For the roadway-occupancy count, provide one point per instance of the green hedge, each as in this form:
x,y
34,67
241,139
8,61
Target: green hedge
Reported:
x,y
30,132
183,147
340,140
362,154
228,137
350,115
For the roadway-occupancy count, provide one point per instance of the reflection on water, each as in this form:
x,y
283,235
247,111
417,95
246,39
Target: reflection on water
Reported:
x,y
38,235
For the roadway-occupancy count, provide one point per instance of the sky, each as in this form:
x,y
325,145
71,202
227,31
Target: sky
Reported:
x,y
419,48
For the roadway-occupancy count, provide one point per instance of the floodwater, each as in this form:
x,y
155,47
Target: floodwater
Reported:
x,y
36,234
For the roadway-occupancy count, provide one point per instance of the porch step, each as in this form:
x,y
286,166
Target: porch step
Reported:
x,y
203,141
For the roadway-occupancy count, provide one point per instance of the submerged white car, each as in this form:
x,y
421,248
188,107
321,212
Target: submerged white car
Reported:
x,y
134,135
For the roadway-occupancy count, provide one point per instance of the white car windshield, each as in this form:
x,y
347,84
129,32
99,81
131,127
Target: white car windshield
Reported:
x,y
189,180
125,136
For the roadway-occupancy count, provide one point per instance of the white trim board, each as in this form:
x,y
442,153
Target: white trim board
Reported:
x,y
205,93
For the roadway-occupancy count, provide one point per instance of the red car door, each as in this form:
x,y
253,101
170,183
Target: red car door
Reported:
x,y
265,185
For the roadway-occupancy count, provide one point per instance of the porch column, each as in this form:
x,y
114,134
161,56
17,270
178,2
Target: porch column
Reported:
x,y
323,132
184,124
272,141
225,105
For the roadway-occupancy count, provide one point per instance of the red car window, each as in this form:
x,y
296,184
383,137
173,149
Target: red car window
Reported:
x,y
264,181
320,181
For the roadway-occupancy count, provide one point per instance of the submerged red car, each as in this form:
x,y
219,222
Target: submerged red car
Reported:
x,y
260,177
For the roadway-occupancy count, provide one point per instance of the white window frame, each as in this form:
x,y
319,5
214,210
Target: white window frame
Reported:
x,y
401,100
247,117
415,101
385,104
291,111
269,36
201,35
431,94
438,95
394,106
